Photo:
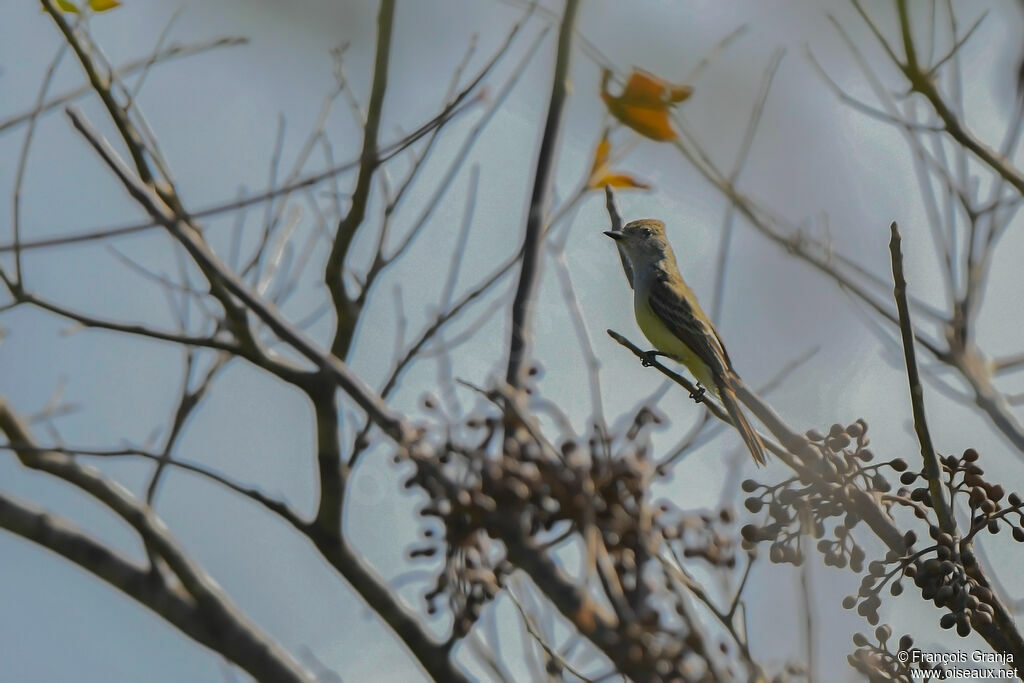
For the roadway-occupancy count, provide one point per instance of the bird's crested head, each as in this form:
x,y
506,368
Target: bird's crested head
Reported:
x,y
643,240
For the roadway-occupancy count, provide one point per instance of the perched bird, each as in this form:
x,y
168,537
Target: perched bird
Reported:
x,y
668,314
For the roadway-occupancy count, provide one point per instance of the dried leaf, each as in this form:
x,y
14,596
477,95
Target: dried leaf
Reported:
x,y
645,102
645,88
95,5
601,152
601,175
622,180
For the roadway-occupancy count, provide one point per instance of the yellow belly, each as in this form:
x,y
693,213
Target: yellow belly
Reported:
x,y
663,340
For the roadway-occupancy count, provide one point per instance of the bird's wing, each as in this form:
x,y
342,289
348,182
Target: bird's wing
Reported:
x,y
687,322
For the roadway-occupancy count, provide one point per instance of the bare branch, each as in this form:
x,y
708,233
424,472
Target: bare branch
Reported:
x,y
540,200
26,145
167,54
149,589
717,299
344,304
458,160
188,401
952,52
921,82
554,654
386,153
277,507
931,461
24,297
390,422
242,641
432,656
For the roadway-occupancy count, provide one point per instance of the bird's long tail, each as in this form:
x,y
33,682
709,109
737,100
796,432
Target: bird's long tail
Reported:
x,y
732,406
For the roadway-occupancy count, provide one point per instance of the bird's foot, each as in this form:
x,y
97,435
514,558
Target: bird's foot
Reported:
x,y
699,394
648,358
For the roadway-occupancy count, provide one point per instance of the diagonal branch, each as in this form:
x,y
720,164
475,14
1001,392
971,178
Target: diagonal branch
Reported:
x,y
391,422
725,241
434,657
170,52
274,505
1002,635
238,298
239,639
149,589
188,401
921,81
101,85
22,296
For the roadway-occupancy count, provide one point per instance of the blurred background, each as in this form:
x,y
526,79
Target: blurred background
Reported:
x,y
222,117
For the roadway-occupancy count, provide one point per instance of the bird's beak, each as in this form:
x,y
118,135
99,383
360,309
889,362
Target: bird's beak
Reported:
x,y
615,235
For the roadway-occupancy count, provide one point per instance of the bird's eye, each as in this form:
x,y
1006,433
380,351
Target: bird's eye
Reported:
x,y
645,232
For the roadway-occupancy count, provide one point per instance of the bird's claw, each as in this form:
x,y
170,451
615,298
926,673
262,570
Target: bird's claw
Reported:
x,y
648,358
698,394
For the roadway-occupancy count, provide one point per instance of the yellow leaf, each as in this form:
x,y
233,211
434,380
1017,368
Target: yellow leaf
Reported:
x,y
622,180
94,5
650,122
601,175
645,102
646,88
601,154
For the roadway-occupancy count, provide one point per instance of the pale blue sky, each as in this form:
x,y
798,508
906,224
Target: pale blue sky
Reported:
x,y
216,117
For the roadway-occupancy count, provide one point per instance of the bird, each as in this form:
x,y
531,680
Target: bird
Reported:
x,y
671,318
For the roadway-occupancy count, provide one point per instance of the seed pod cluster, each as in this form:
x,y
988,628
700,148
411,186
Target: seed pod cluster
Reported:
x,y
484,501
942,571
805,504
877,662
963,477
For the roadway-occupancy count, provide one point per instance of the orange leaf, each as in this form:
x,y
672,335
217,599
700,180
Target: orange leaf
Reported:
x,y
650,122
620,180
601,155
645,102
646,88
95,5
601,175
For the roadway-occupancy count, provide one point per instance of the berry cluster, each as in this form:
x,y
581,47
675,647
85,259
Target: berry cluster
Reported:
x,y
940,571
878,663
945,570
803,504
500,485
964,477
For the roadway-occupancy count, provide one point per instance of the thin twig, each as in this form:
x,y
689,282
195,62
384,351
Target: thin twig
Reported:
x,y
384,154
931,460
921,82
126,69
725,242
540,199
539,639
26,145
239,639
344,305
